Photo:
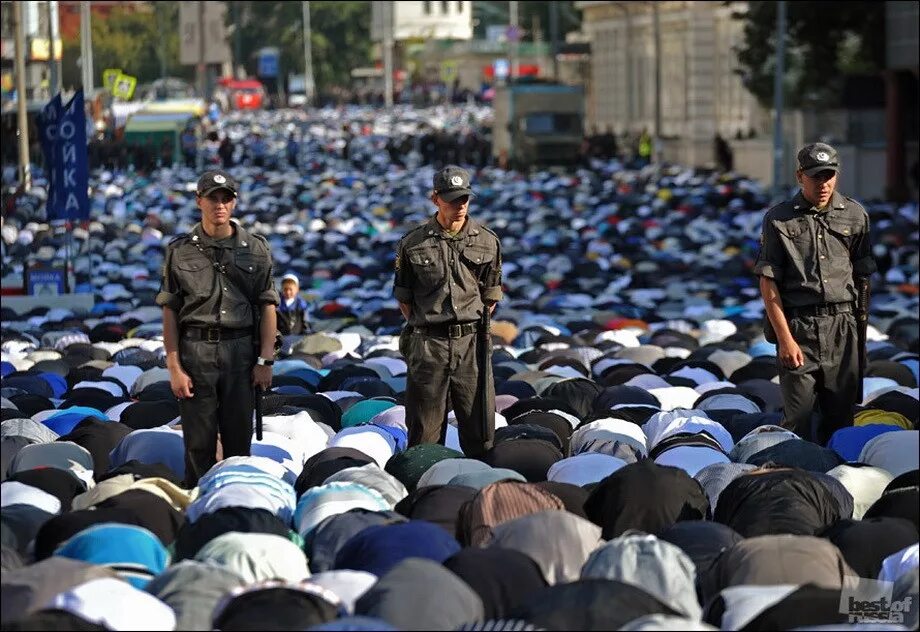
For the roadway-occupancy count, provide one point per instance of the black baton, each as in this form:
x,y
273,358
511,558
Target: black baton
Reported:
x,y
485,368
863,290
258,405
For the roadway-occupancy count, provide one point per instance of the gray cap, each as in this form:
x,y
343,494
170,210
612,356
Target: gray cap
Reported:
x,y
452,182
817,157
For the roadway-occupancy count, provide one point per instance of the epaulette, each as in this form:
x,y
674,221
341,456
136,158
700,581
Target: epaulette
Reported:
x,y
177,238
491,232
410,231
259,237
777,205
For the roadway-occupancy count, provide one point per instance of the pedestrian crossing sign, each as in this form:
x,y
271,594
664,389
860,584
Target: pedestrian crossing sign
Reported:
x,y
124,87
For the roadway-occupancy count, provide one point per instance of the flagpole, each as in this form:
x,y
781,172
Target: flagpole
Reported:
x,y
86,48
52,62
22,122
68,226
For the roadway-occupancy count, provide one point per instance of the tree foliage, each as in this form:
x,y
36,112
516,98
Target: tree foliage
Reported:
x,y
134,39
143,39
825,42
533,12
340,34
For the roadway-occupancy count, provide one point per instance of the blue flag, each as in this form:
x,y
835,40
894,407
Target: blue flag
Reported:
x,y
71,168
47,121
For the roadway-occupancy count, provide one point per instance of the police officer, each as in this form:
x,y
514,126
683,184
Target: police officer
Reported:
x,y
217,286
814,254
447,271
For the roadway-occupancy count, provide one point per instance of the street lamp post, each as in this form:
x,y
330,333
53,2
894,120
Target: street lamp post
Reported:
x,y
307,53
22,121
656,142
202,69
86,48
778,151
554,37
53,86
515,36
388,53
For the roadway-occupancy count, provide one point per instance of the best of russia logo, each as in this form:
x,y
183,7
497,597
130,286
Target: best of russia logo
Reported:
x,y
870,601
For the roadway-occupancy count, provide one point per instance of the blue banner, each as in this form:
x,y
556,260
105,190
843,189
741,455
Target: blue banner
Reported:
x,y
47,122
71,168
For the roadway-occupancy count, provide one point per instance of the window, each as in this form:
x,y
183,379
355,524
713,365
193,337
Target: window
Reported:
x,y
426,7
445,7
551,123
459,7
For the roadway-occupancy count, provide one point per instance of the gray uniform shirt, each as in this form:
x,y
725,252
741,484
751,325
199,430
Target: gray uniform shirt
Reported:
x,y
447,279
200,295
814,254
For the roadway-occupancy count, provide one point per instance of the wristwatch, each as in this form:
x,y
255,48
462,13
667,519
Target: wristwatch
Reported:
x,y
263,362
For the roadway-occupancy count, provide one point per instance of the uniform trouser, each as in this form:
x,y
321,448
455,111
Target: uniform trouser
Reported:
x,y
222,400
438,367
829,377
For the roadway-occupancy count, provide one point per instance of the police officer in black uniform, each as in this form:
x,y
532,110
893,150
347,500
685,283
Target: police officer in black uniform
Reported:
x,y
447,271
217,287
815,254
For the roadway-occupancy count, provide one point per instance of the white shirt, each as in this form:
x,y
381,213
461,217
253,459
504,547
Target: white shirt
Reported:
x,y
581,469
116,604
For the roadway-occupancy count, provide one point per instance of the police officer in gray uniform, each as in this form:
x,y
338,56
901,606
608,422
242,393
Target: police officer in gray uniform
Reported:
x,y
217,286
447,271
815,254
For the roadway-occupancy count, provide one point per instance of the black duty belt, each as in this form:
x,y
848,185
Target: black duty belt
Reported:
x,y
827,309
447,330
215,334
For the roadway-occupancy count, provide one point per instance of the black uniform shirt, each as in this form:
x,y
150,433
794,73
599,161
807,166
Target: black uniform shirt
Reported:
x,y
203,297
447,279
814,254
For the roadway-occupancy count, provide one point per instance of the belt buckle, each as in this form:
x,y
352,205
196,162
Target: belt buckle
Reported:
x,y
454,331
213,334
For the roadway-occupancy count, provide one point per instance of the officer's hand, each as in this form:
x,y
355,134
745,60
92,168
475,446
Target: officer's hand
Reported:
x,y
262,376
790,355
181,384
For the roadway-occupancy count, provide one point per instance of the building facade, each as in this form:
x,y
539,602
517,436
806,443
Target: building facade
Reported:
x,y
424,20
700,93
902,61
35,29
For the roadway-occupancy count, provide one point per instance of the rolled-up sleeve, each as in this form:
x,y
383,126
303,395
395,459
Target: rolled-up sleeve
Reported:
x,y
492,283
268,294
861,253
402,281
170,294
770,259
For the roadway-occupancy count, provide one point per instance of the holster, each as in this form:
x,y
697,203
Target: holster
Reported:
x,y
257,335
404,336
863,296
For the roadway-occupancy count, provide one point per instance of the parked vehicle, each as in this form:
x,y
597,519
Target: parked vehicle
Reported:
x,y
538,124
296,91
244,94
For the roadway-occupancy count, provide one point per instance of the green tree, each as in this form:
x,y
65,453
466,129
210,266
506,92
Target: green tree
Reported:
x,y
340,36
142,40
489,13
825,42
